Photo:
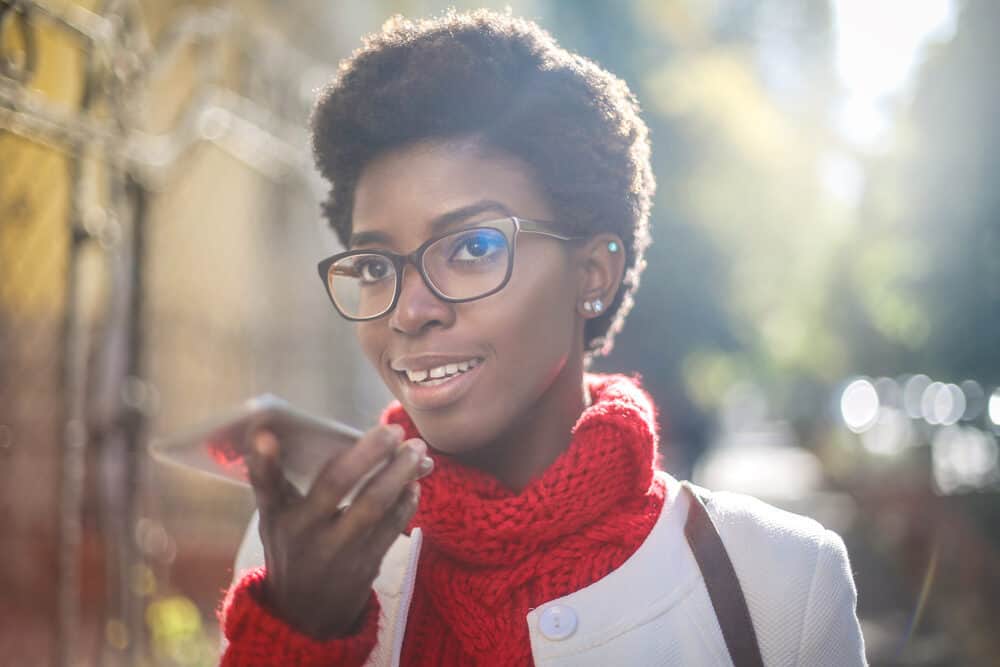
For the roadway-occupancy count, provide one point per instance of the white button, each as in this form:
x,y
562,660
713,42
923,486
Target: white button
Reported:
x,y
557,622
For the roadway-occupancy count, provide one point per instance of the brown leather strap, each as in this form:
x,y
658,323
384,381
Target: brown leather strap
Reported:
x,y
720,579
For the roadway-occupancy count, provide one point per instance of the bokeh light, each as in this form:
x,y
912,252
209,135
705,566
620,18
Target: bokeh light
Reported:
x,y
963,458
891,433
889,392
913,391
975,399
859,404
942,403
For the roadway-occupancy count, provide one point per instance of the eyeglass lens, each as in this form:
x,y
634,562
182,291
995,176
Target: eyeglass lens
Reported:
x,y
463,265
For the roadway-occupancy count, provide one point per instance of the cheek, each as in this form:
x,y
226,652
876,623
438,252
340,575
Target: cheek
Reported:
x,y
371,340
535,325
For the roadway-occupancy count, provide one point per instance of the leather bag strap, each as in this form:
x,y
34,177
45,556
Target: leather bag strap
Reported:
x,y
720,579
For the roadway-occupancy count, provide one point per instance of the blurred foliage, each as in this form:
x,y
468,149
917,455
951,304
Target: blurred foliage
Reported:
x,y
762,267
951,201
178,638
746,240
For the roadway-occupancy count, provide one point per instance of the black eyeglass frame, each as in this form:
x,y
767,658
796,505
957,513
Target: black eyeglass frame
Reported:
x,y
399,262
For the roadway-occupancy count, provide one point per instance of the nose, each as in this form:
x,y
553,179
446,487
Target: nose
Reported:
x,y
418,308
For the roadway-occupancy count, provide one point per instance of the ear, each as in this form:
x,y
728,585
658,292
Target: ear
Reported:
x,y
601,270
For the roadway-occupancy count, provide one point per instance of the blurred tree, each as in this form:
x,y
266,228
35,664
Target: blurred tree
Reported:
x,y
744,235
919,285
952,203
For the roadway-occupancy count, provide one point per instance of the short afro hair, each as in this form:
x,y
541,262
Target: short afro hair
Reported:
x,y
506,83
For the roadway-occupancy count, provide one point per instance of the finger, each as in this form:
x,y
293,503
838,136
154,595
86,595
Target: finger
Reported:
x,y
381,491
395,521
271,488
340,474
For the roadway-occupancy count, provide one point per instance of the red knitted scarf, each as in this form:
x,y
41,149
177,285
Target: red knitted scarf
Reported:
x,y
490,556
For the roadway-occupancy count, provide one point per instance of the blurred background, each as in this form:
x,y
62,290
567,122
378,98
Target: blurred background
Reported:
x,y
819,321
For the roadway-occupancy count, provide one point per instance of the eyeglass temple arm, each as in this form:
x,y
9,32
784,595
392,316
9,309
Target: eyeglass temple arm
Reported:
x,y
544,228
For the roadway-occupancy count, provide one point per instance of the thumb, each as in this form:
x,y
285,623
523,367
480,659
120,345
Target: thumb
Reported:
x,y
271,489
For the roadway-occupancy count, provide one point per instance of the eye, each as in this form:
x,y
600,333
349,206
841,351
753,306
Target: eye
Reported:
x,y
372,269
478,245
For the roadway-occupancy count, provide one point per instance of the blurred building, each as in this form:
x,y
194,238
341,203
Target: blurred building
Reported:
x,y
159,231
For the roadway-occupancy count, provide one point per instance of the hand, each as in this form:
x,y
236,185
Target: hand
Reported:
x,y
321,561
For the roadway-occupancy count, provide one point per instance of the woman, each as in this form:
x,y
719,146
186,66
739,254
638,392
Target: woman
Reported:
x,y
492,192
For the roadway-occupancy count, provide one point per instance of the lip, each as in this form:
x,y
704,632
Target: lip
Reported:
x,y
438,396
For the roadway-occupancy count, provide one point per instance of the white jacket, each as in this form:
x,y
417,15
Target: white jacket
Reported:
x,y
655,609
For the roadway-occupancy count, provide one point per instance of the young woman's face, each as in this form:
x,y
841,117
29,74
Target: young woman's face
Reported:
x,y
517,342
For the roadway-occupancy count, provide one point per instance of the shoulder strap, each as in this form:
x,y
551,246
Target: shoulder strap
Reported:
x,y
720,580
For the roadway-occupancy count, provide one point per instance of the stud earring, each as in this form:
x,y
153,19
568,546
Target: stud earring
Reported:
x,y
598,305
587,306
595,306
612,246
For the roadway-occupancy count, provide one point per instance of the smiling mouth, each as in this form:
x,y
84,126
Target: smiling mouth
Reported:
x,y
438,375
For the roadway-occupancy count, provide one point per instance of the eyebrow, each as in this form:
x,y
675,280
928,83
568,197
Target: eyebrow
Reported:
x,y
438,224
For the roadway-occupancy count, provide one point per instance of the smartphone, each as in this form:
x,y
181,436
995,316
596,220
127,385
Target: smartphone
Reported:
x,y
219,447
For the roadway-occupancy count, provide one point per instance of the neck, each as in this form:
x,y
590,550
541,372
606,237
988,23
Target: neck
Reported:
x,y
526,449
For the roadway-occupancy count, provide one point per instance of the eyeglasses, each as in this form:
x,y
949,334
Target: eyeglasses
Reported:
x,y
464,265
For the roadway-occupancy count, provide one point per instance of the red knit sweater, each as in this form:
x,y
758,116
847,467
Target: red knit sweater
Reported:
x,y
489,556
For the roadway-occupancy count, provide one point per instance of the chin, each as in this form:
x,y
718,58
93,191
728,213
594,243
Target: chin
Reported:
x,y
466,426
454,434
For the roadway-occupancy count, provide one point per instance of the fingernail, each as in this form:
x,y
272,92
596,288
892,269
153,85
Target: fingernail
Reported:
x,y
263,442
426,465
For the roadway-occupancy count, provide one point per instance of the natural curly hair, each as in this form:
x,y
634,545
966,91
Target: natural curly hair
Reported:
x,y
506,83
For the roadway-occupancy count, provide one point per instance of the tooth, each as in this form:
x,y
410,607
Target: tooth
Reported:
x,y
437,372
417,376
463,366
451,369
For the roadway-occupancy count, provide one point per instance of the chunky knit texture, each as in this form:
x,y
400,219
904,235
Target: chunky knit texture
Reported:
x,y
489,555
258,639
